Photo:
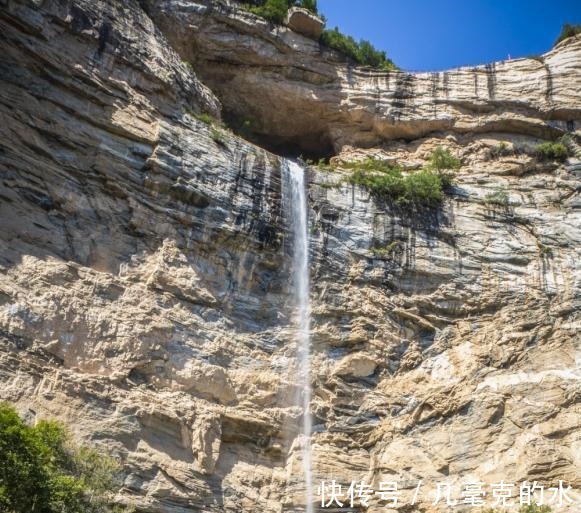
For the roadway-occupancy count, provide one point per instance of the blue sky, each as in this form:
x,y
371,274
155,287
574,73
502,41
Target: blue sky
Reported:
x,y
439,34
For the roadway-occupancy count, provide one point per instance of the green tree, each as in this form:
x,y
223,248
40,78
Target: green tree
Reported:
x,y
362,52
309,5
41,471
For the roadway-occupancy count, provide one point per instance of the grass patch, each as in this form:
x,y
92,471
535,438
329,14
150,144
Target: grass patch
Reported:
x,y
217,128
441,159
217,136
206,118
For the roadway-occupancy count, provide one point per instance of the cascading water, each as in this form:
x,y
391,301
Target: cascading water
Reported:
x,y
298,214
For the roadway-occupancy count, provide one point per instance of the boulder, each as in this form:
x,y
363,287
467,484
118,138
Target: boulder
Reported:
x,y
304,22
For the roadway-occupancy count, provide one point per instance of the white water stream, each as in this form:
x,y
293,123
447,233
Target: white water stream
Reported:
x,y
297,201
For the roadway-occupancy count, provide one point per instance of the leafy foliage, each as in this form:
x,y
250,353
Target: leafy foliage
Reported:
x,y
42,472
386,251
362,52
205,118
444,164
502,149
544,151
567,31
498,197
422,188
276,10
551,151
441,159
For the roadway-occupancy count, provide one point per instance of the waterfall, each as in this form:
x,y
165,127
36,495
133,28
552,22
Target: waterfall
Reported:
x,y
298,215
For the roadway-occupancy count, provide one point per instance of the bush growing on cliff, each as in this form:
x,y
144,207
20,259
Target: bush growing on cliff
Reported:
x,y
551,151
417,189
444,164
502,149
544,151
567,31
42,472
499,197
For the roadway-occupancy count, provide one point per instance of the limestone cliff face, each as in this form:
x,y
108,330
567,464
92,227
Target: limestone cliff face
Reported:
x,y
144,295
311,100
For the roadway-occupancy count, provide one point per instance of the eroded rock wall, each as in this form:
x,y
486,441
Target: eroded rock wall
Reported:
x,y
298,95
144,295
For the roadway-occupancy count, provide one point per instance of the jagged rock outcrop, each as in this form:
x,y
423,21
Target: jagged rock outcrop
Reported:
x,y
144,261
309,101
304,22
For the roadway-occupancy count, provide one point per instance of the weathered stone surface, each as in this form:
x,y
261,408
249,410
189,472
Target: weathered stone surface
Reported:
x,y
310,101
144,265
302,21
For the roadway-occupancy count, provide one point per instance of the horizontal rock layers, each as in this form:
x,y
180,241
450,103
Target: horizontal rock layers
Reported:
x,y
298,95
145,258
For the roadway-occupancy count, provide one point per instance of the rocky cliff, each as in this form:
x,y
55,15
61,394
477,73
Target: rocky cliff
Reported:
x,y
145,258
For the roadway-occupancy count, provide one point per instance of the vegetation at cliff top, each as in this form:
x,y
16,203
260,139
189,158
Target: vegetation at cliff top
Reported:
x,y
568,30
362,52
41,471
276,10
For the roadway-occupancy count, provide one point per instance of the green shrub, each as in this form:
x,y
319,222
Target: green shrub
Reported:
x,y
502,149
386,251
205,118
275,11
567,31
551,151
444,163
498,197
423,188
441,159
217,136
362,52
417,189
42,472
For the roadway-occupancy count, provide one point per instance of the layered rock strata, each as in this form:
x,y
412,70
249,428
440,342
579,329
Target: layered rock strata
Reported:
x,y
145,257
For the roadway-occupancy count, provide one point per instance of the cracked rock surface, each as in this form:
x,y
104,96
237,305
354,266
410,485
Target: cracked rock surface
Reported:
x,y
145,259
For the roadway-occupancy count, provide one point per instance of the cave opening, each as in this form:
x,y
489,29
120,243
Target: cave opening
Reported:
x,y
310,145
